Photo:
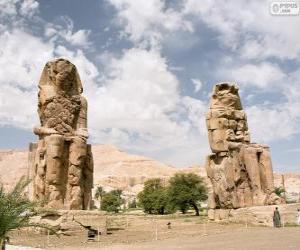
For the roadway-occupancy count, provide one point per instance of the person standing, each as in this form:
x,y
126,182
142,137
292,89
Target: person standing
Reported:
x,y
298,217
276,218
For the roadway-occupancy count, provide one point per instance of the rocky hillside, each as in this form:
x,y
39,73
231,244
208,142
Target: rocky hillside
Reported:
x,y
13,165
117,169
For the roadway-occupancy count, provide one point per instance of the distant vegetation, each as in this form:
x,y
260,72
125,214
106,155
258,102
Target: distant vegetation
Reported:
x,y
183,192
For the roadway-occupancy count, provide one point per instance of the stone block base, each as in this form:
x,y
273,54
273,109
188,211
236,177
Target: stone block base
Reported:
x,y
73,221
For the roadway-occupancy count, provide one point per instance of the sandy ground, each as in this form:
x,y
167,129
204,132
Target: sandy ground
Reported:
x,y
187,232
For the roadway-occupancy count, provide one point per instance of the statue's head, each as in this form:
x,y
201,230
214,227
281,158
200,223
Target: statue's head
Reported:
x,y
225,95
63,75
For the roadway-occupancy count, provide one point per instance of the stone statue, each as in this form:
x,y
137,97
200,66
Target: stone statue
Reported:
x,y
240,172
61,162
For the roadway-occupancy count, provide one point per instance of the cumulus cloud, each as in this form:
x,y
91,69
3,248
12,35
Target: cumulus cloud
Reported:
x,y
139,108
65,31
251,31
29,7
146,22
19,73
279,120
260,75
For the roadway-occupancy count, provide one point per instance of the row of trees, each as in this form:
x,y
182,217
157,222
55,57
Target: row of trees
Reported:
x,y
184,191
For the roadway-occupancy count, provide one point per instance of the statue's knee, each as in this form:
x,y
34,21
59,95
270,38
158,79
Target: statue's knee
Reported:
x,y
55,146
78,151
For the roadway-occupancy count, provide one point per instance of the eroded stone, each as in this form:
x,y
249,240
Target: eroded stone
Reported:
x,y
240,172
61,161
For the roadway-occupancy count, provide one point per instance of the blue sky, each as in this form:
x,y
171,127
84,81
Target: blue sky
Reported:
x,y
148,68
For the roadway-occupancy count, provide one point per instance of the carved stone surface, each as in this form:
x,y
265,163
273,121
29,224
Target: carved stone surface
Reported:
x,y
240,172
61,162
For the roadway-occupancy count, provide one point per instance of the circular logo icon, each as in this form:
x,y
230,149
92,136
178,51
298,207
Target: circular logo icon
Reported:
x,y
275,8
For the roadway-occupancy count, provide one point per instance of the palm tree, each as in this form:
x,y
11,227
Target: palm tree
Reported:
x,y
99,194
15,210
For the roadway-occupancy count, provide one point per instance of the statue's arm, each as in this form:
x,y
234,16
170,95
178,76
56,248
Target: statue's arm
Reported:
x,y
44,130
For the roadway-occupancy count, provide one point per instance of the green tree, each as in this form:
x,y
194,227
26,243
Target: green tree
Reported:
x,y
15,210
279,191
187,190
154,198
112,201
99,194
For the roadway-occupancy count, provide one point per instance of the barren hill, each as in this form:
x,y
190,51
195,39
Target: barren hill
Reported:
x,y
117,169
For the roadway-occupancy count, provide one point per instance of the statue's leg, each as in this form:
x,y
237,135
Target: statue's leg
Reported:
x,y
266,171
36,170
75,183
88,179
55,171
251,159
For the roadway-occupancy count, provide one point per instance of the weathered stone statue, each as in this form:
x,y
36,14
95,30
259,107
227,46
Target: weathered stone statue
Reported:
x,y
61,162
240,172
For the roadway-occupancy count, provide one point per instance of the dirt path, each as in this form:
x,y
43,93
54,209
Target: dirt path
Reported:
x,y
139,232
247,239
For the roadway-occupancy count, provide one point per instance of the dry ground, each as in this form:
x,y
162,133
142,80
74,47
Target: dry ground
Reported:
x,y
187,232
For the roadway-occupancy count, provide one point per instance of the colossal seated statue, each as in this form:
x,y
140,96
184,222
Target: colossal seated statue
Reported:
x,y
61,162
240,171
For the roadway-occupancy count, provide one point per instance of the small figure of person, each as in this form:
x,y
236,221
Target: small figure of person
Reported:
x,y
298,217
276,218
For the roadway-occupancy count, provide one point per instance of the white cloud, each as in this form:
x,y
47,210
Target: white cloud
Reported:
x,y
270,123
18,66
17,107
66,32
260,75
138,94
8,7
139,108
11,8
29,7
197,85
146,22
248,28
279,120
